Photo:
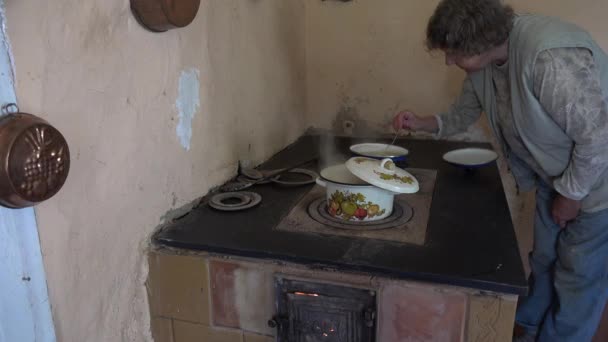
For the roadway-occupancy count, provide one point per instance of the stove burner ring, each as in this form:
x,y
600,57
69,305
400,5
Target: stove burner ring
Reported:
x,y
310,177
231,199
402,213
234,201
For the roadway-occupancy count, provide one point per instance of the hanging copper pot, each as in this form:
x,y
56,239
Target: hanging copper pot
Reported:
x,y
35,159
163,15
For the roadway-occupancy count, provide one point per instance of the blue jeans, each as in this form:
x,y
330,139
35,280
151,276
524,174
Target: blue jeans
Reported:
x,y
568,284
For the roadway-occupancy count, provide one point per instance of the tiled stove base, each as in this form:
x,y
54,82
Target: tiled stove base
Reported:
x,y
200,297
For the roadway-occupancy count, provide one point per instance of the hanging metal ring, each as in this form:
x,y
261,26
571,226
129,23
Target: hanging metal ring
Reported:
x,y
10,108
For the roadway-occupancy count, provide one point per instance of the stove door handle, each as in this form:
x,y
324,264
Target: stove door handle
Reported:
x,y
369,317
278,322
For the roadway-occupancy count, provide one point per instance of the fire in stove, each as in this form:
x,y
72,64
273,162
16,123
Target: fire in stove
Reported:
x,y
311,312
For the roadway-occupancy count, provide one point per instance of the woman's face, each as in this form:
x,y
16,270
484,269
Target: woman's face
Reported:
x,y
468,63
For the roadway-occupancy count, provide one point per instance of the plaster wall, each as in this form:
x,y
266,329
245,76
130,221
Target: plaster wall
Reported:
x,y
153,120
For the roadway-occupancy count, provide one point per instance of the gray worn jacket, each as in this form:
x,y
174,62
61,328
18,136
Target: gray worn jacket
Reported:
x,y
550,146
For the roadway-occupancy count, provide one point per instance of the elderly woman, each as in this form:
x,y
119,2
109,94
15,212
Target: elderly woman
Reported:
x,y
542,83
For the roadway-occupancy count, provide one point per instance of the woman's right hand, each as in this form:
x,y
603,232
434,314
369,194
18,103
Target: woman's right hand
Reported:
x,y
410,121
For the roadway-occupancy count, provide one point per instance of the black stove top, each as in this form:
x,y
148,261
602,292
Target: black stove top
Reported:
x,y
469,241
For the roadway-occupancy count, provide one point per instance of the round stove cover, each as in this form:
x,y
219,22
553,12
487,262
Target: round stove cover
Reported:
x,y
245,200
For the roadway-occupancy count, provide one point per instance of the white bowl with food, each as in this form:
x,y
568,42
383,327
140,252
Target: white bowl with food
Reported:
x,y
380,151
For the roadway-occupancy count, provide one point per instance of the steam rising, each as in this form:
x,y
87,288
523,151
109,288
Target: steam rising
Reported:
x,y
328,152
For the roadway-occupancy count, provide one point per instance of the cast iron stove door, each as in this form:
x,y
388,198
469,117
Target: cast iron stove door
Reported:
x,y
310,312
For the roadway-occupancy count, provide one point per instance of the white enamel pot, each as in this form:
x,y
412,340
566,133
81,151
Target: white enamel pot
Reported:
x,y
351,199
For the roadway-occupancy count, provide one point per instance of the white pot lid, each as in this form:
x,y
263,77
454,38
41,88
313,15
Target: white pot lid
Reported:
x,y
383,174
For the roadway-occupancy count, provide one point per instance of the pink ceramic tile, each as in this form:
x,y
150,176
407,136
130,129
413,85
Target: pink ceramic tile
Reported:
x,y
223,297
420,315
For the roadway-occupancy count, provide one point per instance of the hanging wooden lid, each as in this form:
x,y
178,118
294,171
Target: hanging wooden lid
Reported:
x,y
163,15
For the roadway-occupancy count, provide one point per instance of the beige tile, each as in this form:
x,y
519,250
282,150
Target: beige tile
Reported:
x,y
255,300
418,314
258,338
241,296
162,329
490,319
178,287
190,332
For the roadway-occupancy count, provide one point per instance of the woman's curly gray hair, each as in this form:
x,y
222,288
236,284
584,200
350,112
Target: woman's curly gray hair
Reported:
x,y
469,27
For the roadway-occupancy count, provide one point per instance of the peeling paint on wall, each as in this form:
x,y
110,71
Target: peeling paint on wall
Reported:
x,y
188,102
